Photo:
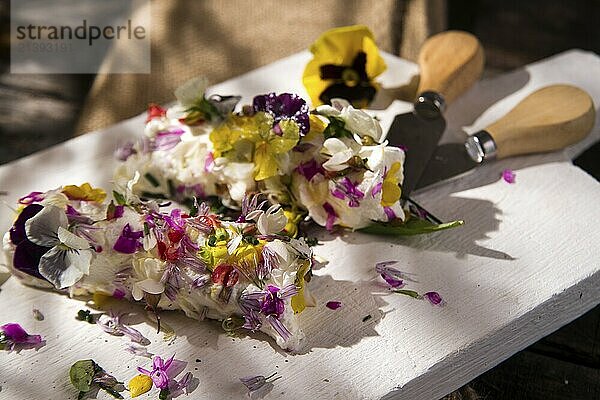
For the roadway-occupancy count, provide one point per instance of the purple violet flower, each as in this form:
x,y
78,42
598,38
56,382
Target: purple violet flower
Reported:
x,y
434,298
509,176
333,305
285,106
393,277
163,373
112,325
14,338
27,254
129,241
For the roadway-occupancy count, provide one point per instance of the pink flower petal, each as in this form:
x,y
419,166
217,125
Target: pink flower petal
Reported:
x,y
509,176
334,305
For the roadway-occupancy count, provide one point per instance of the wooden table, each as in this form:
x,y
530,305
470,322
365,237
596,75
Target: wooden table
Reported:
x,y
526,262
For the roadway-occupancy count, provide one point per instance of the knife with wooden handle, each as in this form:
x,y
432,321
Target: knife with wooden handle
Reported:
x,y
549,119
450,62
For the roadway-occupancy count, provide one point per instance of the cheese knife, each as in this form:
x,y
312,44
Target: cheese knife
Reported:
x,y
450,63
548,119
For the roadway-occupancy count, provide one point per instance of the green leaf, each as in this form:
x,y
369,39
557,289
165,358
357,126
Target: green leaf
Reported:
x,y
406,292
336,128
82,374
414,226
119,198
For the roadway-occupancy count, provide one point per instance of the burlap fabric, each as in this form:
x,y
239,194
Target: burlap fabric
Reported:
x,y
221,39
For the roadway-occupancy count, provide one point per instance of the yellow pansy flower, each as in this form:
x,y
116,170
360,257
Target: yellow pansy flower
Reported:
x,y
346,60
139,385
84,192
390,191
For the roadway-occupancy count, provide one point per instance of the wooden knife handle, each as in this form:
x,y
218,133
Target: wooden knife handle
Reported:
x,y
549,119
451,62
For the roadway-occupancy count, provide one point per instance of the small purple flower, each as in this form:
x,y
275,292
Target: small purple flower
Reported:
x,y
129,240
333,305
331,216
392,276
509,176
254,383
285,106
122,153
137,350
270,304
434,298
163,373
168,139
112,325
14,338
270,261
348,189
309,169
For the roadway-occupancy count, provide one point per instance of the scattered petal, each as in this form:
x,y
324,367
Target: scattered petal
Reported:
x,y
509,176
434,298
334,305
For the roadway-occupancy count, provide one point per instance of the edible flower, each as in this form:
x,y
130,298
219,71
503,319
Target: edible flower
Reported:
x,y
390,190
194,108
284,106
128,241
163,376
27,254
113,325
345,63
254,383
509,176
69,256
84,192
139,384
14,338
269,303
357,122
393,276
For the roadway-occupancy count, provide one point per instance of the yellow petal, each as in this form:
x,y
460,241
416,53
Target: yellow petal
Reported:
x,y
266,164
139,385
298,301
390,191
84,192
339,46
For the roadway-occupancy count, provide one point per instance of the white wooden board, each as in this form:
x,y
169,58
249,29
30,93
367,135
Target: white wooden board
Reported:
x,y
526,262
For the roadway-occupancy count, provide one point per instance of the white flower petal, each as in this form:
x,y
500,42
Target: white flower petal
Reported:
x,y
64,268
71,240
191,91
151,286
43,227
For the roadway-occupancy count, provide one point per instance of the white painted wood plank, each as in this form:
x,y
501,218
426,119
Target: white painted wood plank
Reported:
x,y
526,262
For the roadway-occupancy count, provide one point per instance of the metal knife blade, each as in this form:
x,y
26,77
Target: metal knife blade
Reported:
x,y
448,160
418,132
